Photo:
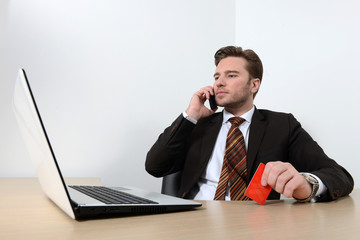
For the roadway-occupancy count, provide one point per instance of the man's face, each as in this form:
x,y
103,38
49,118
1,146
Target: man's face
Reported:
x,y
233,85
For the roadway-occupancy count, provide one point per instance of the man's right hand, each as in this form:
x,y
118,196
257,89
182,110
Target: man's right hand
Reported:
x,y
197,109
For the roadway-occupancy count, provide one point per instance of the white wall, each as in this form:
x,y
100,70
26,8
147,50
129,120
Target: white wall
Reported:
x,y
310,51
108,76
104,72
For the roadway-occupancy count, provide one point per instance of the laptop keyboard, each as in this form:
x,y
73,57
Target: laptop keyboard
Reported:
x,y
111,196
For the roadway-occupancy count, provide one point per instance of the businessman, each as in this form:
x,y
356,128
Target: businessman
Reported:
x,y
219,152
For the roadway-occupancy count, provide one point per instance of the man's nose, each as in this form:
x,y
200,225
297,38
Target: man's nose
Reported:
x,y
220,81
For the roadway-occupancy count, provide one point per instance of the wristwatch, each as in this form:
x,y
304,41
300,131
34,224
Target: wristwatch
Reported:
x,y
315,187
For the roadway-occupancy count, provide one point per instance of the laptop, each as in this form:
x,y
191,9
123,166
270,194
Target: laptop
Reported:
x,y
80,201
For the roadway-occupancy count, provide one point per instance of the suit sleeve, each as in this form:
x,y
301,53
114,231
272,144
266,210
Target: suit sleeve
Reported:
x,y
308,156
167,155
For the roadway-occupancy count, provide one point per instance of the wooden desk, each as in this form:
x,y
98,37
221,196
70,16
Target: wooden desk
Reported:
x,y
27,214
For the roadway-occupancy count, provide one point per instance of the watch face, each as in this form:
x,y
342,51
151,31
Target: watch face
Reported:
x,y
312,180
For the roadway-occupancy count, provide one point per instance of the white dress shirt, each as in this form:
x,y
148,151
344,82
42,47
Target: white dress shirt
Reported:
x,y
209,179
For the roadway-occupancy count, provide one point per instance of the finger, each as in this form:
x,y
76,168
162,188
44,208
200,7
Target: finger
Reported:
x,y
282,181
197,98
294,183
212,92
208,90
271,173
265,175
300,188
201,94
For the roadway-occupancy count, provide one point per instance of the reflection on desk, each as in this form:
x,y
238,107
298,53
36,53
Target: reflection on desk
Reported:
x,y
27,214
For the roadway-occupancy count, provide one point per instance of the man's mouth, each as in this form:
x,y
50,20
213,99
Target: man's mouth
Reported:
x,y
220,93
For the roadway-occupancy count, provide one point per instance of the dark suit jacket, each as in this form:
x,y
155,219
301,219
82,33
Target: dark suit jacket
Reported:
x,y
273,137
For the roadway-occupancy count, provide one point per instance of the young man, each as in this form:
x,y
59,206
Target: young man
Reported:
x,y
196,143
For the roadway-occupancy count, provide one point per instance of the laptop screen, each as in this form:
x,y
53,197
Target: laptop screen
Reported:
x,y
38,145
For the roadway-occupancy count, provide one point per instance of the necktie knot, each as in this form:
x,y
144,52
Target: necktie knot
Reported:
x,y
236,121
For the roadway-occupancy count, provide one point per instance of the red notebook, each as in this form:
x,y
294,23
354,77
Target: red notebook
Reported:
x,y
255,190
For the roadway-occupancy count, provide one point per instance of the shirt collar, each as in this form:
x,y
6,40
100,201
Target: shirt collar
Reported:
x,y
247,116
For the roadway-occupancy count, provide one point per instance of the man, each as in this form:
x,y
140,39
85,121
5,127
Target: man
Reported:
x,y
197,142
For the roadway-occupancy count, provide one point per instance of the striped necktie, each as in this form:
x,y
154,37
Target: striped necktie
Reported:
x,y
233,171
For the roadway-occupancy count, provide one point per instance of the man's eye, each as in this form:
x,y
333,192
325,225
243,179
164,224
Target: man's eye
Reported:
x,y
232,76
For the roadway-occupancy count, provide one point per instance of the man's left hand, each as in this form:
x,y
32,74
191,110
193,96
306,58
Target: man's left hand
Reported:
x,y
286,180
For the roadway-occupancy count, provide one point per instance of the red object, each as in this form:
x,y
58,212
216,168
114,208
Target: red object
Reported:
x,y
255,190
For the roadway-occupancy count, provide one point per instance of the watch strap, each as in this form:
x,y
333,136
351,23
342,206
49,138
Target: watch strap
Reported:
x,y
315,187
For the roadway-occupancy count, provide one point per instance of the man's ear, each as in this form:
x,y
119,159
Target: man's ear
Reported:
x,y
255,85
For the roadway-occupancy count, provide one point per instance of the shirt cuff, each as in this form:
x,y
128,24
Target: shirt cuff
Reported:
x,y
189,118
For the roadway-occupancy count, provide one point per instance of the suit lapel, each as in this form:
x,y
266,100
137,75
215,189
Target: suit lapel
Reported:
x,y
209,138
257,130
208,131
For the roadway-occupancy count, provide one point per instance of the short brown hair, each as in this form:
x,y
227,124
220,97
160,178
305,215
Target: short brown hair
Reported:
x,y
254,66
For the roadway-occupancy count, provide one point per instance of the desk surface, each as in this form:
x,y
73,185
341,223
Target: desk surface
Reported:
x,y
27,214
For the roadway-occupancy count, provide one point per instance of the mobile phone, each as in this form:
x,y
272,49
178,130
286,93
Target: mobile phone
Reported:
x,y
212,102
